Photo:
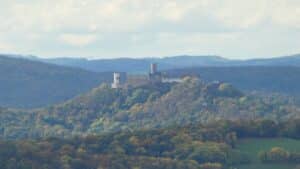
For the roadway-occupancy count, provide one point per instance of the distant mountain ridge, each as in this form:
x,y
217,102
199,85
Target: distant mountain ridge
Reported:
x,y
140,65
173,62
267,79
291,60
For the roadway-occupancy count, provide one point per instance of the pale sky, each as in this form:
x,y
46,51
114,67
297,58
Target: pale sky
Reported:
x,y
145,28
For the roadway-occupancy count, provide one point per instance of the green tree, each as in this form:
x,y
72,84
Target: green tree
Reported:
x,y
231,139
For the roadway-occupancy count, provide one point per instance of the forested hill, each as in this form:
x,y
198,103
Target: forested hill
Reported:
x,y
27,84
282,79
152,106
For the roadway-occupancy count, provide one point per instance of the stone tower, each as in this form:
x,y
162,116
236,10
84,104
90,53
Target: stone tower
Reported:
x,y
153,68
117,81
154,75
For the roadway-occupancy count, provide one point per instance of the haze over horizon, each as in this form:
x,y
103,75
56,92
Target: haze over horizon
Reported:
x,y
138,28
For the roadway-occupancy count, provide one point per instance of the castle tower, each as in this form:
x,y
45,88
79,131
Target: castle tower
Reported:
x,y
117,81
153,68
154,75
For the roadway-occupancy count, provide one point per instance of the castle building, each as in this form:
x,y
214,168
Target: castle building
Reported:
x,y
119,80
116,82
153,68
154,75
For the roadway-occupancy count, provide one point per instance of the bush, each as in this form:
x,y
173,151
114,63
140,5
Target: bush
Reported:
x,y
211,166
278,154
228,90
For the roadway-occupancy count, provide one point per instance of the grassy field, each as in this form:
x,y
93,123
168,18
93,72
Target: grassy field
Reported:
x,y
253,146
266,166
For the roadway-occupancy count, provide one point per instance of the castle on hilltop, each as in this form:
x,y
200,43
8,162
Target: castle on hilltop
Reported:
x,y
154,77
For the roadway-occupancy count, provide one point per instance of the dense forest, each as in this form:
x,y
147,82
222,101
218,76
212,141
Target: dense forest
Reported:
x,y
190,125
211,146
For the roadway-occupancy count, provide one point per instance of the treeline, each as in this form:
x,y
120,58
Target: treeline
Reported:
x,y
279,155
197,146
266,128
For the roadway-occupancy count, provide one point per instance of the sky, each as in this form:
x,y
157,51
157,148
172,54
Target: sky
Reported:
x,y
237,29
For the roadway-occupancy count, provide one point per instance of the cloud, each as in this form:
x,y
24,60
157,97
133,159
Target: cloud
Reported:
x,y
242,14
286,13
5,47
117,27
77,40
137,15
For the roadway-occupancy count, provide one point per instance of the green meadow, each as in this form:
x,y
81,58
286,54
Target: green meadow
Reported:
x,y
254,145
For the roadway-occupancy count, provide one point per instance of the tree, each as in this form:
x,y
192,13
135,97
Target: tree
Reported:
x,y
231,139
228,90
276,154
211,166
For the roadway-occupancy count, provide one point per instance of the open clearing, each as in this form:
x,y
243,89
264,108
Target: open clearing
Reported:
x,y
254,145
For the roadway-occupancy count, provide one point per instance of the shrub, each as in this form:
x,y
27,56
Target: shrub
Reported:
x,y
276,154
211,166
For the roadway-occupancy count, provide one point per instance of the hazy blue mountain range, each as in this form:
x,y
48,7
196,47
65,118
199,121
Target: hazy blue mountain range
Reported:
x,y
27,84
136,65
142,65
279,79
30,83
